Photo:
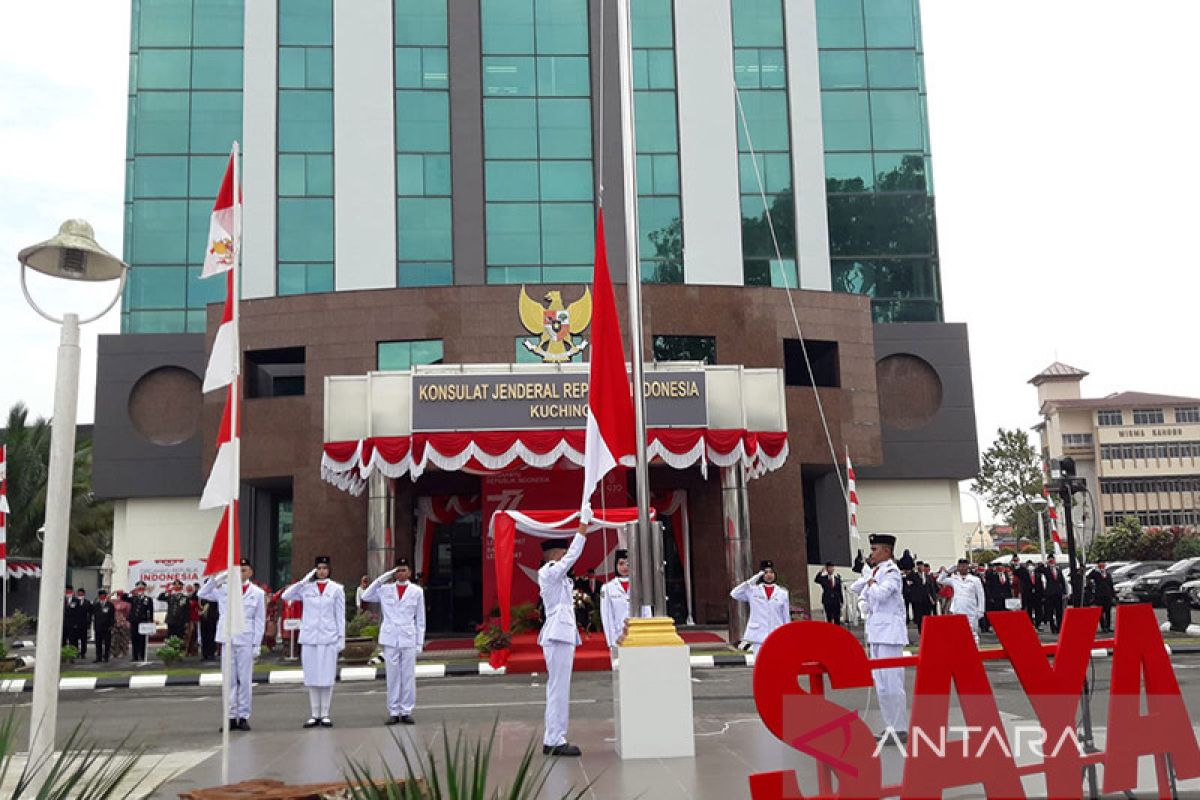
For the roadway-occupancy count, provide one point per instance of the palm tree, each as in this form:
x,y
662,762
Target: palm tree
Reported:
x,y
28,471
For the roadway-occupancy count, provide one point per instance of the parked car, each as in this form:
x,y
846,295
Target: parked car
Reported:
x,y
1125,576
1192,590
1149,588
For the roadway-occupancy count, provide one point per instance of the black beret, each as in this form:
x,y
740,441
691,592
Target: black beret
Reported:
x,y
883,538
829,563
555,544
620,554
401,561
963,561
321,561
768,564
102,593
246,563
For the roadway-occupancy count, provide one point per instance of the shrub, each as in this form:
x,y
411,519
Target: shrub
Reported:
x,y
358,624
3,650
490,637
69,654
19,623
171,651
1188,546
1155,544
525,618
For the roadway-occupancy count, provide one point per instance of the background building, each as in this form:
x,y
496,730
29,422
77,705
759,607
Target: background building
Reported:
x,y
1140,452
408,165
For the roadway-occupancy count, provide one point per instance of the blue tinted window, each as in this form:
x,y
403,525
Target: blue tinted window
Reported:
x,y
216,121
507,26
509,76
156,321
160,176
205,174
512,180
757,23
165,23
890,23
840,23
567,236
565,128
561,26
843,69
896,122
421,22
305,68
566,180
305,175
164,69
162,122
424,225
767,120
305,121
511,129
655,124
202,291
653,23
849,172
305,229
307,22
418,175
158,287
513,233
161,231
217,23
847,120
423,121
893,69
413,273
216,69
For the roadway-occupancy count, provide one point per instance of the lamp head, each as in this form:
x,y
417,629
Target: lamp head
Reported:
x,y
74,255
1038,502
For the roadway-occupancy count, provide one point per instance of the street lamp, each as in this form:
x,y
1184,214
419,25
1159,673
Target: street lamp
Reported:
x,y
1038,504
979,522
75,256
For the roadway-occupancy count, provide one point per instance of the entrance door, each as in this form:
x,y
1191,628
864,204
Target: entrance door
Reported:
x,y
675,584
455,581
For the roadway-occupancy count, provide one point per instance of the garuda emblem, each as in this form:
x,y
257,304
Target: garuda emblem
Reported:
x,y
556,326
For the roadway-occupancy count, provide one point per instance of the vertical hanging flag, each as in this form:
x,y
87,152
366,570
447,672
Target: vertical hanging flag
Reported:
x,y
218,553
3,511
223,362
220,488
221,252
1051,509
852,499
610,438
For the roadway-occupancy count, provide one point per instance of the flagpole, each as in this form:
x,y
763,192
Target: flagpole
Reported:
x,y
634,278
233,581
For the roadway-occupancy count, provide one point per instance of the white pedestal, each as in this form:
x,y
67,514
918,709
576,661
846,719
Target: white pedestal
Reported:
x,y
653,691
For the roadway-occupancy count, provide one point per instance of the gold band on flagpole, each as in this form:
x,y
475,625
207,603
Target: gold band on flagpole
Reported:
x,y
650,632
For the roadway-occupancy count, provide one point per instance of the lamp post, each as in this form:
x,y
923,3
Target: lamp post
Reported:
x,y
72,255
1038,504
979,528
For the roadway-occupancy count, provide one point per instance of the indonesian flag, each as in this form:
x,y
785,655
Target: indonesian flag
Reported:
x,y
223,478
223,361
219,256
1051,508
610,428
3,511
218,554
852,499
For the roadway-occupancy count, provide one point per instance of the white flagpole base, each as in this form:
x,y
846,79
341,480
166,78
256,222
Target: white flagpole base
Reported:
x,y
653,690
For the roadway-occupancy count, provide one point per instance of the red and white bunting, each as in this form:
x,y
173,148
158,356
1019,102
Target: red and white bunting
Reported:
x,y
222,245
223,478
223,361
610,438
852,499
3,510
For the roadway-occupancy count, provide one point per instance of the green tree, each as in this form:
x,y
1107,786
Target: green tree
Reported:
x,y
1118,543
28,460
1010,475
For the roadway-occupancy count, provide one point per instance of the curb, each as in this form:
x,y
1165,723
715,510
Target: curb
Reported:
x,y
279,677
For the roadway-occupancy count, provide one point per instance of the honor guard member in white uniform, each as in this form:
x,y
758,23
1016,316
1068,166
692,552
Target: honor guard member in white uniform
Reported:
x,y
769,606
402,636
322,636
968,594
614,601
881,589
559,637
245,644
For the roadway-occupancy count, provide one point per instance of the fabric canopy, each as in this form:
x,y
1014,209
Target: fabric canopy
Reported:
x,y
347,465
545,525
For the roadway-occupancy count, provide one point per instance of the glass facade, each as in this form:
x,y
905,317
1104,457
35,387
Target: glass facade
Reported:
x,y
407,354
882,229
424,229
764,143
537,141
660,218
185,111
304,138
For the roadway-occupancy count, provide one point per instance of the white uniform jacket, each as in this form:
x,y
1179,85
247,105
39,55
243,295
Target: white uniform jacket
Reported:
x,y
254,606
766,614
968,594
558,596
614,610
884,604
403,617
323,619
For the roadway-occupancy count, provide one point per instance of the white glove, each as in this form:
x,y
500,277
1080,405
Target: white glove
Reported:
x,y
341,645
862,608
312,573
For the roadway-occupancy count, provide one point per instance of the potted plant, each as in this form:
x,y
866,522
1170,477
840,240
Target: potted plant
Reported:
x,y
171,651
69,654
489,637
361,632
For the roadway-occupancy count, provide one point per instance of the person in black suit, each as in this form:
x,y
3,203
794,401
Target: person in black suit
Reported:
x,y
141,609
831,593
922,593
989,577
1054,592
79,617
104,616
1029,584
1103,594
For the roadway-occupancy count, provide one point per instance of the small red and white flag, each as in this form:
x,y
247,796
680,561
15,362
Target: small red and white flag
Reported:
x,y
1051,509
610,436
3,511
852,499
223,478
223,361
219,256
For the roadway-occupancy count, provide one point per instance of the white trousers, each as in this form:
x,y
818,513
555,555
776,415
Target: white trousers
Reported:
x,y
889,685
560,661
320,664
754,647
240,682
401,666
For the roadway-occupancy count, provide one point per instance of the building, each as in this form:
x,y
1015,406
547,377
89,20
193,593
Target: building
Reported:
x,y
1141,450
412,169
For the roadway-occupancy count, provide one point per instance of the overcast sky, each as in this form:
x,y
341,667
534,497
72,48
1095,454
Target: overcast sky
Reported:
x,y
1065,160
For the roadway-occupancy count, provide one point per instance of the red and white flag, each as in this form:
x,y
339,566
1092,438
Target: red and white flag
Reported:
x,y
3,510
219,256
610,424
223,361
852,499
1051,509
223,478
218,554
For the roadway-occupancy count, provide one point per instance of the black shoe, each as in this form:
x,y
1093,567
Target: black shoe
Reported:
x,y
326,722
561,750
392,720
408,720
233,725
243,724
311,722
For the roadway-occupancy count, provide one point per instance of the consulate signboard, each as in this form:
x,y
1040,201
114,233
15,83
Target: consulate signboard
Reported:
x,y
526,401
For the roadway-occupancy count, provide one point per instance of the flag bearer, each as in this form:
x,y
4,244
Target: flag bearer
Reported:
x,y
882,593
402,636
769,605
559,637
614,600
245,644
322,636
